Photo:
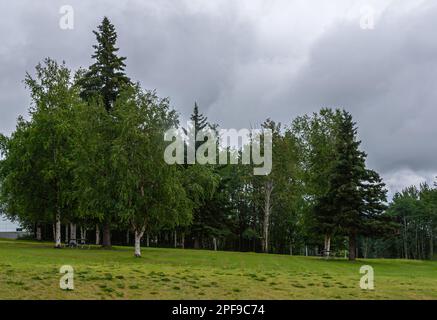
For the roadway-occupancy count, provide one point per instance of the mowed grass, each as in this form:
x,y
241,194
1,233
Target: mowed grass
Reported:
x,y
30,270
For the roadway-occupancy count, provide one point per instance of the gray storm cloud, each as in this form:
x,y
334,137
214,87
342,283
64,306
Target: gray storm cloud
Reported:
x,y
248,60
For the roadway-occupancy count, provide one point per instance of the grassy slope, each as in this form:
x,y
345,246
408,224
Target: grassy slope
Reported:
x,y
31,271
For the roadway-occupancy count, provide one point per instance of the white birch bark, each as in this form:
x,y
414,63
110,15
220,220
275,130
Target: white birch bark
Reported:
x,y
38,232
97,234
138,236
267,212
214,241
82,235
58,230
327,247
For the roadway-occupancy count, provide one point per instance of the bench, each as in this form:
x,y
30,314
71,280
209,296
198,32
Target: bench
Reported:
x,y
76,243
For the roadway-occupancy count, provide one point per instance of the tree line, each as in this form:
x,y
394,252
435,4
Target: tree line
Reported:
x,y
90,156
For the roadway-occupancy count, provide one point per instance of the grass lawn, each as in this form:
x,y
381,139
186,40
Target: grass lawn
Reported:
x,y
30,270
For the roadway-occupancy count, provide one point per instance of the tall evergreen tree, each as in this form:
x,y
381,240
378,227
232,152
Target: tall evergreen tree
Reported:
x,y
104,80
356,195
200,122
204,178
106,77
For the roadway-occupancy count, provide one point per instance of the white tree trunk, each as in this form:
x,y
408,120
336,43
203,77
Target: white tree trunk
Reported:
x,y
214,241
306,250
138,236
82,235
291,249
148,240
267,212
58,230
127,237
97,234
327,247
38,232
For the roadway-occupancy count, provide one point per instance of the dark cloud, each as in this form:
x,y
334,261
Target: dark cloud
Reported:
x,y
248,60
387,78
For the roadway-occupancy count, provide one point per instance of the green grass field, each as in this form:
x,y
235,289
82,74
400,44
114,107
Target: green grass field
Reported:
x,y
30,270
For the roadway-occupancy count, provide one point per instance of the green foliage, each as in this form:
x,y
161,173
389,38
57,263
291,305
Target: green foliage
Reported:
x,y
415,210
36,171
92,150
149,190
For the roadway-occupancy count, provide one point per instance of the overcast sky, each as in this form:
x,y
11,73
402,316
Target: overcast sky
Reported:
x,y
244,61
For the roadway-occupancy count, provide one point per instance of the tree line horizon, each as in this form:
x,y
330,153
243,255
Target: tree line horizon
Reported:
x,y
92,156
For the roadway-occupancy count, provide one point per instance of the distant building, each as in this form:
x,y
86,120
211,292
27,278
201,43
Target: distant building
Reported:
x,y
7,225
10,230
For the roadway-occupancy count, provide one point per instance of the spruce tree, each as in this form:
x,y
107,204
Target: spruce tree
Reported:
x,y
106,77
200,122
356,195
104,80
345,181
204,222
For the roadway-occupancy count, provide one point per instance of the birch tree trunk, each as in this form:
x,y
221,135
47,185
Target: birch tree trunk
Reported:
x,y
405,239
54,231
127,237
38,232
175,239
148,240
327,248
267,211
214,241
138,236
58,230
97,234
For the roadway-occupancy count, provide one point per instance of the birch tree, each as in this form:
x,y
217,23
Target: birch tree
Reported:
x,y
36,169
150,191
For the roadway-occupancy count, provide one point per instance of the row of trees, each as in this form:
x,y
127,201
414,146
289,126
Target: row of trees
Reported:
x,y
91,155
415,210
